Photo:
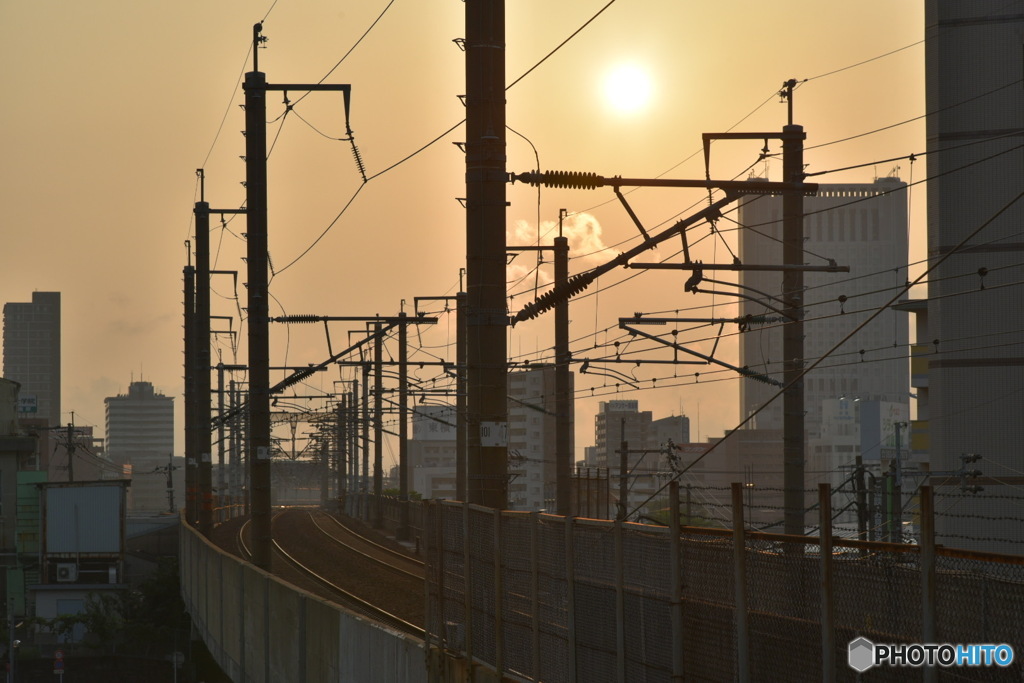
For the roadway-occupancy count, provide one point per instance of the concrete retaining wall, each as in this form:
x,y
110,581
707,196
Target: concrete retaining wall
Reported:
x,y
262,630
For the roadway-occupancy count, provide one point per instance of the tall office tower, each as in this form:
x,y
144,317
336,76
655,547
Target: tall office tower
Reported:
x,y
32,354
863,226
140,433
976,171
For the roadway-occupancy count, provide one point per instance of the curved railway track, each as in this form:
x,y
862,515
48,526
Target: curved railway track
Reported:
x,y
348,538
346,567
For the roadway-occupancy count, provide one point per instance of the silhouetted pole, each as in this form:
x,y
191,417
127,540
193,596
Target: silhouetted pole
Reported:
x,y
365,482
487,317
563,396
71,451
259,445
201,326
793,331
402,532
190,395
378,426
221,474
341,452
460,396
623,473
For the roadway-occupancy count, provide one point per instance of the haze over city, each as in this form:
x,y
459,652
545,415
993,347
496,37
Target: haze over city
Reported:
x,y
112,108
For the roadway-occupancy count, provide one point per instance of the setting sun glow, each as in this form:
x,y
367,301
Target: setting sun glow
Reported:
x,y
627,88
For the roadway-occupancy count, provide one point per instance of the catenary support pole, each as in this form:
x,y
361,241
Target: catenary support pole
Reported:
x,y
828,633
190,392
402,532
676,576
563,385
741,614
487,316
259,446
378,427
201,327
793,332
460,396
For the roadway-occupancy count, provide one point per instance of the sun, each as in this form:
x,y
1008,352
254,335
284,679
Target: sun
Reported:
x,y
628,88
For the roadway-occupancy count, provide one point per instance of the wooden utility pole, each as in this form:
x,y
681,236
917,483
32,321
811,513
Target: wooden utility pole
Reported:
x,y
486,312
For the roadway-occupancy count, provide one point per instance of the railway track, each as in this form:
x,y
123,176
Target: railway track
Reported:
x,y
335,530
346,568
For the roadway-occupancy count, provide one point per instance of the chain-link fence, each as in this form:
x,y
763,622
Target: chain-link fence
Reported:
x,y
540,597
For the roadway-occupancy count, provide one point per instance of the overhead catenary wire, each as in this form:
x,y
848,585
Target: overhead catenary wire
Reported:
x,y
814,364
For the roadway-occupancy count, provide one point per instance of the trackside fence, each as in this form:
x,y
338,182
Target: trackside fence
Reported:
x,y
538,597
260,629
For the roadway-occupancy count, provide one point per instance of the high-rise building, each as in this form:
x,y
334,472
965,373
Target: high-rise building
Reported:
x,y
615,422
675,428
532,417
975,213
32,354
863,226
140,433
531,443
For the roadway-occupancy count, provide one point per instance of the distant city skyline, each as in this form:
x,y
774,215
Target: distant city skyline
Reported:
x,y
107,225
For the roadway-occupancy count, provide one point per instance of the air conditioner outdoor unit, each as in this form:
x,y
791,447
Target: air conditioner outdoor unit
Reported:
x,y
67,572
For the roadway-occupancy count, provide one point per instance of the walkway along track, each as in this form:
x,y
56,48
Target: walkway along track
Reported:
x,y
344,574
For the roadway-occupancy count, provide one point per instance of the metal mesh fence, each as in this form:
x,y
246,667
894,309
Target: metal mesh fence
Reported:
x,y
593,600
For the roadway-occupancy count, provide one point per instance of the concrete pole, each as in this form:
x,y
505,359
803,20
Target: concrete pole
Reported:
x,y
487,316
201,328
460,396
378,427
259,446
563,393
190,394
402,532
793,331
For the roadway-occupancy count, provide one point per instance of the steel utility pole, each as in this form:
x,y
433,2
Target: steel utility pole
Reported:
x,y
486,313
256,88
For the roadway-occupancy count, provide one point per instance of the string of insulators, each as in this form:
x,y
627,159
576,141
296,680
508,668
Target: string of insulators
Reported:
x,y
756,376
357,156
298,319
572,180
295,379
549,299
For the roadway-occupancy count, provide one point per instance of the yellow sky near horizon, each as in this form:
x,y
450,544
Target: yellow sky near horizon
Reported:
x,y
111,107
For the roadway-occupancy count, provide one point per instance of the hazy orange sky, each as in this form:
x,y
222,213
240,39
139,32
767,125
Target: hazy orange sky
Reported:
x,y
112,106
